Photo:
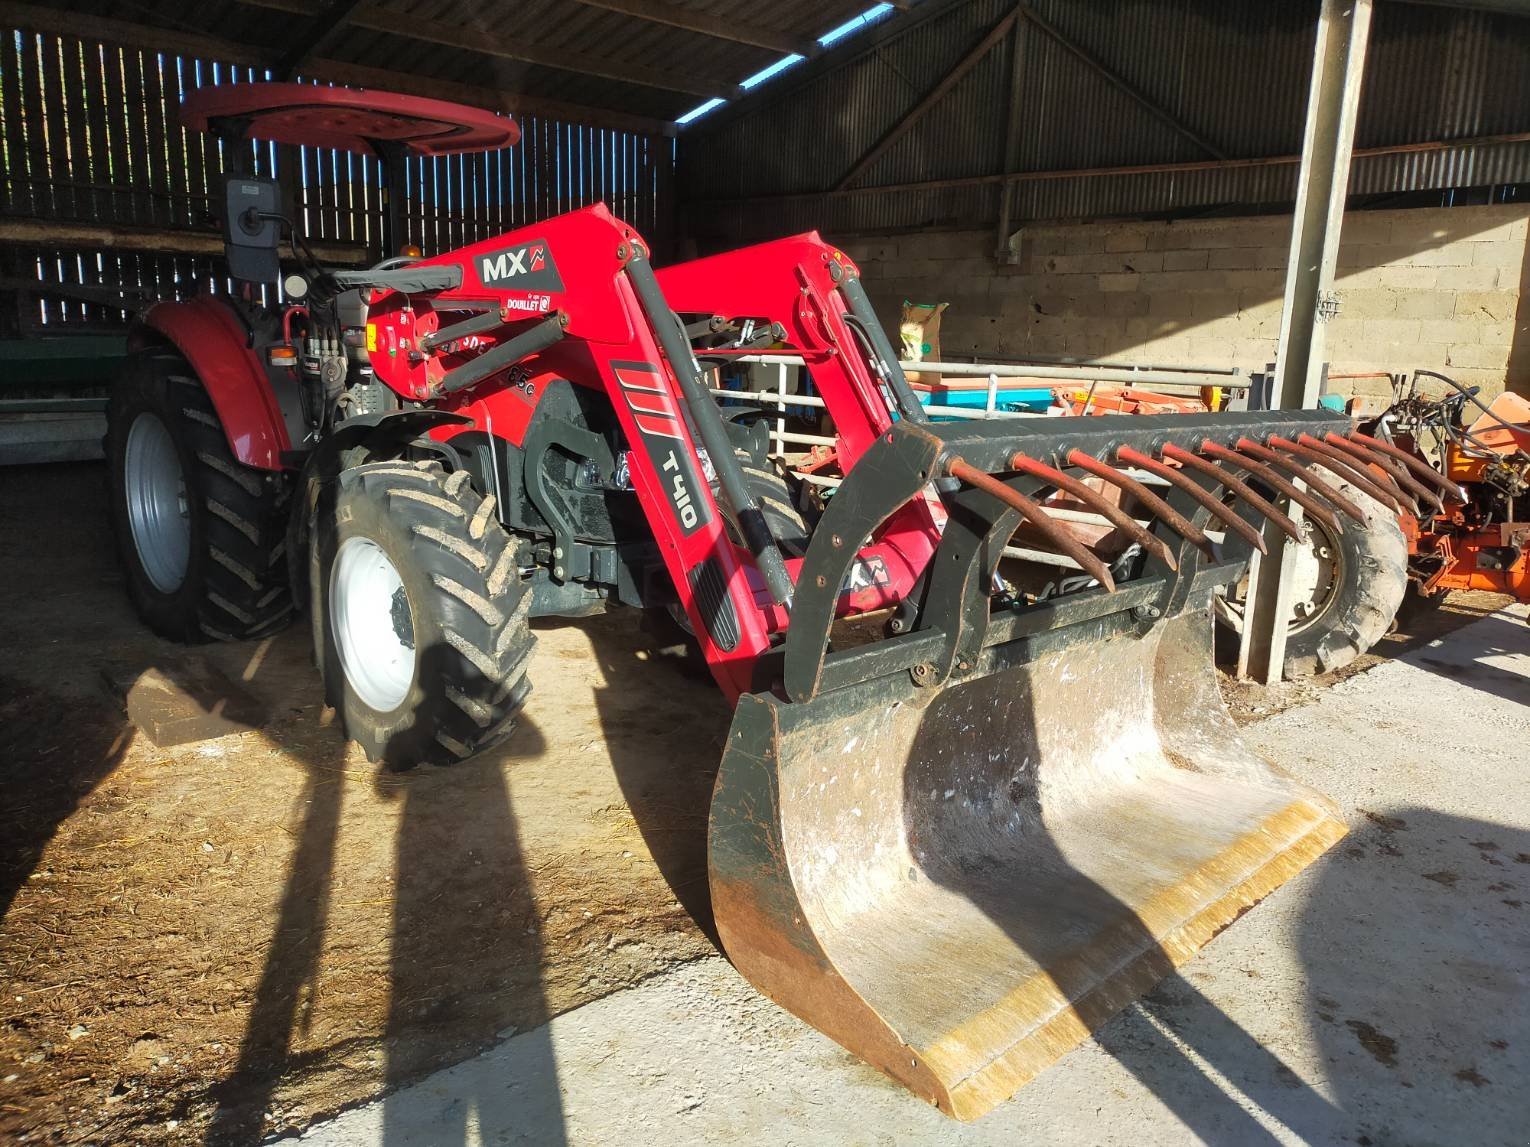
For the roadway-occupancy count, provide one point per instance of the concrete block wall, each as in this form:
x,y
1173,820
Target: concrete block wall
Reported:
x,y
1442,288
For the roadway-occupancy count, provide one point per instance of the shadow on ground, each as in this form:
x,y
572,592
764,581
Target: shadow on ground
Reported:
x,y
669,799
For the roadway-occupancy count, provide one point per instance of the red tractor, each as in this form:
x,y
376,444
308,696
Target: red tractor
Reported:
x,y
955,846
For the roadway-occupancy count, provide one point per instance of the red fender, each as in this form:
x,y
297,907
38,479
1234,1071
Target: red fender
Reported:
x,y
214,342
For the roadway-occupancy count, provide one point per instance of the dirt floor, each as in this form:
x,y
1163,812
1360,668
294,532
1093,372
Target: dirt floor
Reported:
x,y
228,940
1414,627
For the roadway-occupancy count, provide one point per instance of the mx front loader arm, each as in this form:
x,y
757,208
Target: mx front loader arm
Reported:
x,y
481,330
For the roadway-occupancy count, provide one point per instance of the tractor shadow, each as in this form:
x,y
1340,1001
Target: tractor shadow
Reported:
x,y
664,723
1410,938
961,806
61,739
456,991
50,766
465,948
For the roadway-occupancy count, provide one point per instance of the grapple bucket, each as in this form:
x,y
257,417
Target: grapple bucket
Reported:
x,y
959,850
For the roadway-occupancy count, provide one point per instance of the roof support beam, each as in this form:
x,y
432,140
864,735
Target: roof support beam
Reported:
x,y
468,39
317,36
1120,82
1051,175
49,21
930,98
705,23
24,231
509,103
1011,134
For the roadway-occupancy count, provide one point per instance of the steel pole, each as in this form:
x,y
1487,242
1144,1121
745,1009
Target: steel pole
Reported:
x,y
1338,66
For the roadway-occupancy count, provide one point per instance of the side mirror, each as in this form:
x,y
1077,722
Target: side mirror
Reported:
x,y
250,236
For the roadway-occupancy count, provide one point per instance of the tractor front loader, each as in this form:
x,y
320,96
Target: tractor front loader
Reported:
x,y
955,826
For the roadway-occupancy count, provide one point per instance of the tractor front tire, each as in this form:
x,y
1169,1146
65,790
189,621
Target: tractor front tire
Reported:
x,y
419,613
201,536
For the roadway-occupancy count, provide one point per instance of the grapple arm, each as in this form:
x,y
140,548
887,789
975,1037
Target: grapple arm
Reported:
x,y
959,617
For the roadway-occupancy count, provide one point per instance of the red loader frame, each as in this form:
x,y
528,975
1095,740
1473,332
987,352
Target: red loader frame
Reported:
x,y
608,322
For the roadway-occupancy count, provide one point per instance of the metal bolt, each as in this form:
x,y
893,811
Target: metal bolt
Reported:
x,y
923,672
558,572
964,665
557,551
1148,612
836,541
820,581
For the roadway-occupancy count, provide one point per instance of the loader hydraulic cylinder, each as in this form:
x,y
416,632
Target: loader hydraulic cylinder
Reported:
x,y
708,422
861,311
507,353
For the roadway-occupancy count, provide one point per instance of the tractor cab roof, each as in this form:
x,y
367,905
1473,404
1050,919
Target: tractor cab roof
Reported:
x,y
346,118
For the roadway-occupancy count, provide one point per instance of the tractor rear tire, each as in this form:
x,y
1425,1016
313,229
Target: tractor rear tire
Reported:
x,y
201,536
419,613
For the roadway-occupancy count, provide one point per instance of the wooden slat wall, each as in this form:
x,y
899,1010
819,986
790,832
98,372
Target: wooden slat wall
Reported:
x,y
89,132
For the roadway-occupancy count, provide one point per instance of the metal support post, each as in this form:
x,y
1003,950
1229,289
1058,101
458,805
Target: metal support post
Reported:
x,y
1338,65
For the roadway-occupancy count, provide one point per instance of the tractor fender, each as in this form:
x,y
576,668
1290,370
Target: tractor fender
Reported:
x,y
210,336
381,436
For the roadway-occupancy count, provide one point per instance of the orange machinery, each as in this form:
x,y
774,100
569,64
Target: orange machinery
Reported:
x,y
1482,539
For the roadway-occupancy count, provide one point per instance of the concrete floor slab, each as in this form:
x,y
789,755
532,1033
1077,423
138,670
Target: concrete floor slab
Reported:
x,y
1383,997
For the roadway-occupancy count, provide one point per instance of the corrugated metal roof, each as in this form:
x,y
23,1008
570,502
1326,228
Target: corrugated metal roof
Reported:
x,y
390,34
1235,72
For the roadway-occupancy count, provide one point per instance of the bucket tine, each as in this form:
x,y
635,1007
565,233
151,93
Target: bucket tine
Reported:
x,y
1033,513
1331,459
1224,514
1362,465
1238,486
1399,474
1160,509
1117,517
1249,446
1417,465
1302,498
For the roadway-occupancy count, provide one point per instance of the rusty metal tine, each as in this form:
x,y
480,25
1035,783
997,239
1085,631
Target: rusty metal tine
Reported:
x,y
1346,468
1363,463
1417,465
1225,514
1025,464
1238,486
1343,472
1155,505
1320,485
1309,502
1398,473
1033,513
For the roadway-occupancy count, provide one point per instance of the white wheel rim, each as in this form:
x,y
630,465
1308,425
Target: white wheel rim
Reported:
x,y
1316,575
373,624
158,516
